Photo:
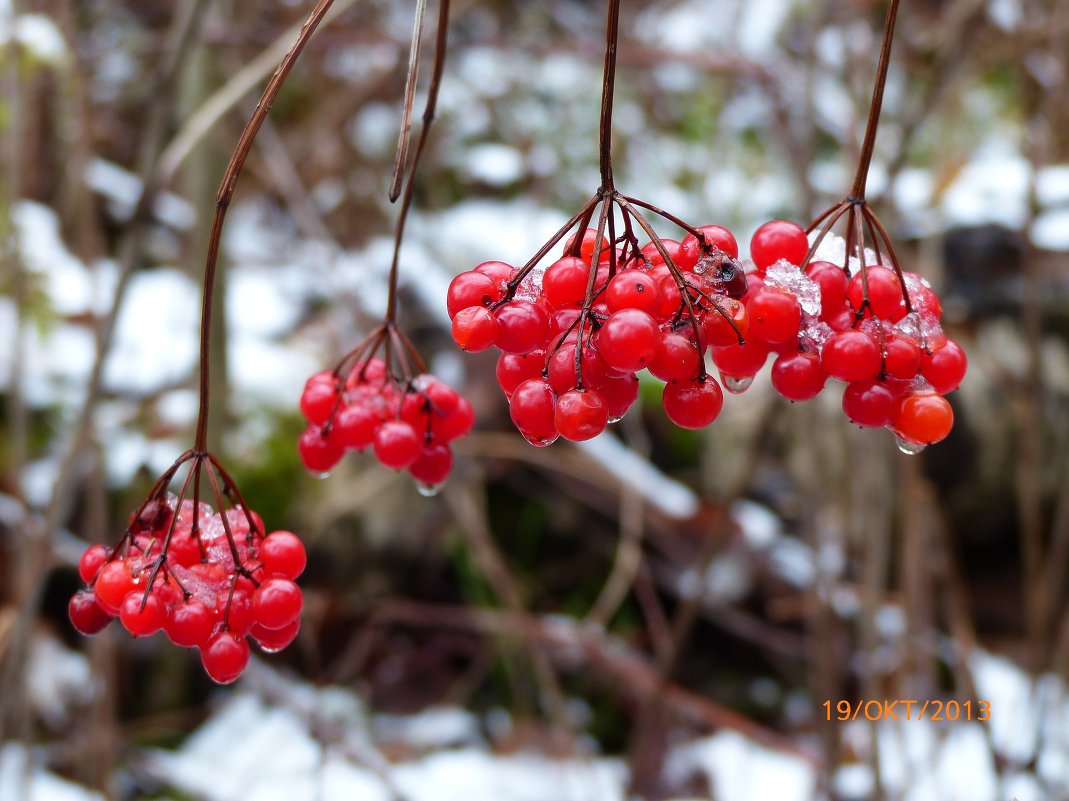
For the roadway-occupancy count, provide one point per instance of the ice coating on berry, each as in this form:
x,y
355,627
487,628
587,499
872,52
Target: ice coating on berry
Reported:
x,y
787,276
813,334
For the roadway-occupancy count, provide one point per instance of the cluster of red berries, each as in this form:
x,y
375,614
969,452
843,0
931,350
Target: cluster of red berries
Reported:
x,y
207,588
407,424
573,337
878,330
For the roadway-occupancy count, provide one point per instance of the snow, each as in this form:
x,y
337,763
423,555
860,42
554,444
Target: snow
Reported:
x,y
37,33
23,779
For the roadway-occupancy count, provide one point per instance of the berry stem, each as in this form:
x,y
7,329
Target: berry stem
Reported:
x,y
697,233
226,193
429,111
875,107
612,37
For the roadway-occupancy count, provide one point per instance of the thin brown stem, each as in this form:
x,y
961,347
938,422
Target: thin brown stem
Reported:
x,y
410,96
226,194
612,37
861,177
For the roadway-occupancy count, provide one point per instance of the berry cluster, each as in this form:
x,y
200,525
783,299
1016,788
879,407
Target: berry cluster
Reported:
x,y
408,424
573,336
207,579
864,322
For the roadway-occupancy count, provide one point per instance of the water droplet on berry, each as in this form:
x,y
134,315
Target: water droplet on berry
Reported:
x,y
617,419
429,490
909,448
324,474
735,385
270,649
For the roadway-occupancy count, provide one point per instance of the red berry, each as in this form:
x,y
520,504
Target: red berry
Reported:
x,y
433,465
564,282
142,615
319,399
397,444
717,236
924,418
586,248
562,373
521,327
851,356
741,361
92,560
778,239
471,289
671,297
677,357
619,394
500,272
274,640
515,368
901,358
870,404
190,624
628,340
653,253
884,293
282,554
276,603
832,282
775,315
798,376
474,329
235,611
86,614
354,427
224,657
113,583
632,289
725,323
318,453
580,414
945,367
532,407
692,404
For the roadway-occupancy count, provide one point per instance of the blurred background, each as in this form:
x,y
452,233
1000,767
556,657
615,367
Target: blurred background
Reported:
x,y
658,614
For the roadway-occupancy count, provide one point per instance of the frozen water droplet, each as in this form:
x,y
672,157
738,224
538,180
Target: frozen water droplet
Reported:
x,y
429,490
787,276
268,649
909,447
734,385
616,419
814,334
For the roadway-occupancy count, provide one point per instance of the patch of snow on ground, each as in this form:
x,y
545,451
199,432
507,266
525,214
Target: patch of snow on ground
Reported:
x,y
22,779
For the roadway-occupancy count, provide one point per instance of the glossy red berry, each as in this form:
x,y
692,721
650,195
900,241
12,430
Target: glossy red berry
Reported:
x,y
225,657
515,368
522,327
318,453
274,640
775,315
396,444
870,404
884,293
632,289
282,554
474,329
354,427
276,603
564,282
472,289
924,418
86,614
432,466
717,237
319,399
677,357
580,414
725,323
113,583
798,376
833,284
741,361
190,624
532,408
851,356
628,340
694,403
778,239
142,615
945,367
92,560
901,357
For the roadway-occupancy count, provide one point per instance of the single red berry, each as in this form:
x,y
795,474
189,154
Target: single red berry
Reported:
x,y
833,284
274,640
224,657
677,357
884,293
433,464
472,289
474,329
86,614
775,315
318,453
515,368
354,427
851,356
901,357
717,236
562,373
564,282
521,327
563,320
276,603
397,444
113,583
235,610
457,423
531,407
580,414
142,615
945,367
282,554
632,289
741,361
190,624
92,560
653,253
925,418
586,248
778,239
628,340
798,376
671,297
725,323
693,404
870,404
499,271
619,394
319,400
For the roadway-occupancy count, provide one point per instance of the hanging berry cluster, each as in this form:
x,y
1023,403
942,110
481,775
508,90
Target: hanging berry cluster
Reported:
x,y
407,419
207,579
